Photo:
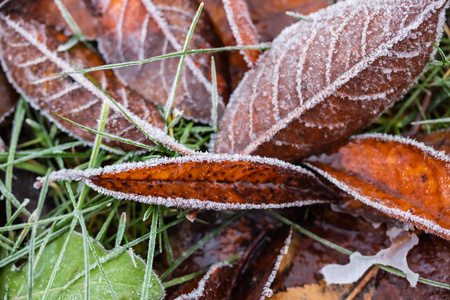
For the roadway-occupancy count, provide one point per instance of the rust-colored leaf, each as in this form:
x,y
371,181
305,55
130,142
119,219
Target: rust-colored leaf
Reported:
x,y
270,17
9,97
400,177
439,140
242,27
133,30
323,80
46,11
207,181
29,53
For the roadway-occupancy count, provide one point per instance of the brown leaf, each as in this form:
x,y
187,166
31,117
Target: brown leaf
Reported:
x,y
321,82
46,11
319,291
9,96
242,28
400,177
133,30
270,16
207,181
30,57
439,140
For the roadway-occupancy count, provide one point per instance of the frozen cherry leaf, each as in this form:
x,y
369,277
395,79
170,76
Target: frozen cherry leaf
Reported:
x,y
242,28
206,181
394,256
323,80
133,30
46,11
9,97
29,54
400,177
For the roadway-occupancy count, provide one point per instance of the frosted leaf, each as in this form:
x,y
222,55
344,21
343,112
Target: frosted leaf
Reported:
x,y
321,82
24,41
206,181
242,27
133,30
394,256
46,11
400,177
9,96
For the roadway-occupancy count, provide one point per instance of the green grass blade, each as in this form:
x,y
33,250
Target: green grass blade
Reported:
x,y
150,255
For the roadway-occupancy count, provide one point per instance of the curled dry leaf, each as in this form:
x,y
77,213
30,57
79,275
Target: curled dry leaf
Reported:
x,y
29,54
400,177
321,82
206,181
133,30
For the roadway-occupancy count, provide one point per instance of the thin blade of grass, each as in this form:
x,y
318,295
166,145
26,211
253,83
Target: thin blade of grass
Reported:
x,y
105,226
121,229
435,121
150,254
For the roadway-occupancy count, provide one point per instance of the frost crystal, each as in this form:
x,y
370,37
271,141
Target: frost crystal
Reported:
x,y
394,256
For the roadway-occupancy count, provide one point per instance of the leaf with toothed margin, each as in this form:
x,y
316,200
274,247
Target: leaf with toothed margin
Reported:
x,y
206,181
136,29
30,58
400,177
323,80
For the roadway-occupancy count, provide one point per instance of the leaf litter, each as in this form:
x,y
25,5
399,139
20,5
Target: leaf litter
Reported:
x,y
349,89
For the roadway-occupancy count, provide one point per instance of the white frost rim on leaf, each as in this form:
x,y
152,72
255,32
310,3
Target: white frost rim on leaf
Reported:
x,y
200,290
182,202
351,73
394,256
267,291
154,132
440,155
403,215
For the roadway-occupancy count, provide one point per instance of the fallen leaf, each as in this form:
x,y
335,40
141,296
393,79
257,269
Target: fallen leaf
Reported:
x,y
321,83
30,57
258,273
127,283
242,28
400,177
46,11
439,140
319,291
133,30
214,285
9,96
270,16
207,181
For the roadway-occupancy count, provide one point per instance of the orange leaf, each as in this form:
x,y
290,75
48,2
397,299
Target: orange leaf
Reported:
x,y
400,177
207,181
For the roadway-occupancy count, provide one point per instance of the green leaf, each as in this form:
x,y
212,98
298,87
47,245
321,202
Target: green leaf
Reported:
x,y
125,272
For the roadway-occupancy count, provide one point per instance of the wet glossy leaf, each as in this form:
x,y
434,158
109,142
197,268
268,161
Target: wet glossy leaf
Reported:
x,y
207,181
30,56
134,30
127,283
400,177
321,82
